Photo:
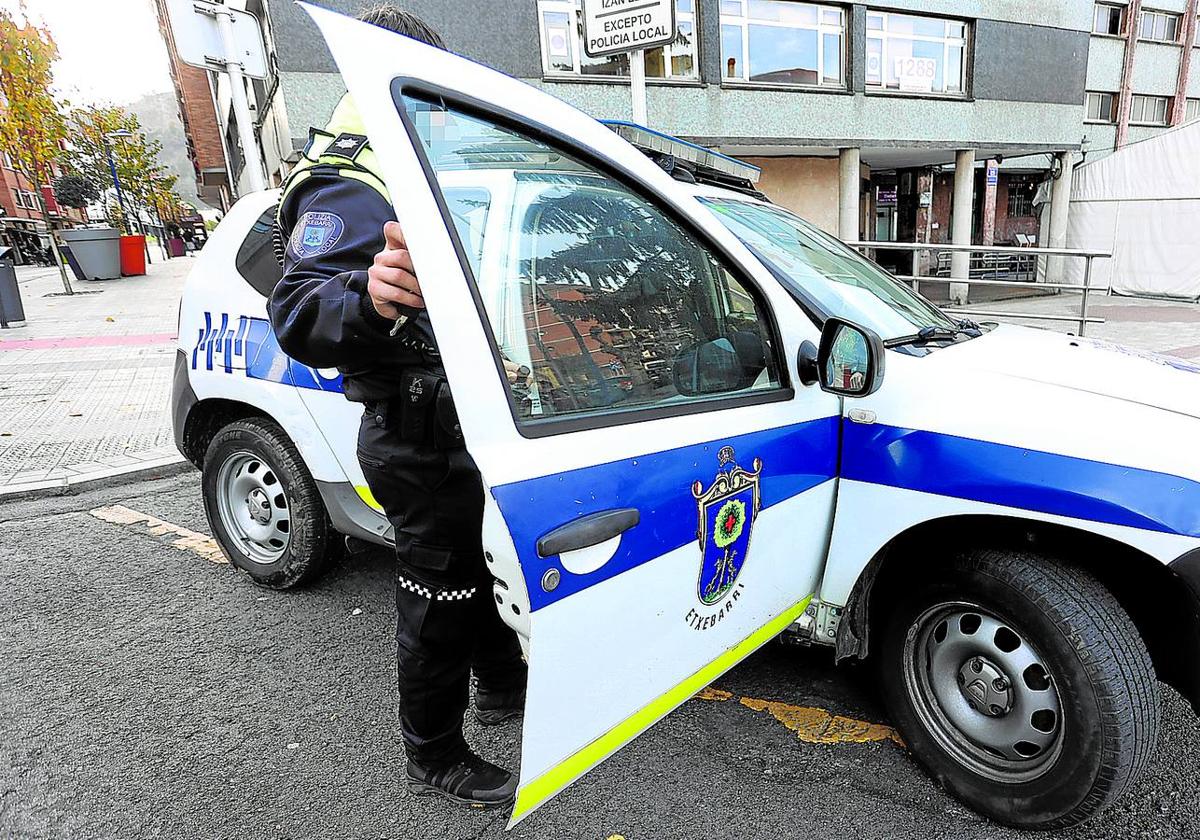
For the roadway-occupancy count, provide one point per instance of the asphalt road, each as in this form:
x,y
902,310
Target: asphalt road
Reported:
x,y
146,691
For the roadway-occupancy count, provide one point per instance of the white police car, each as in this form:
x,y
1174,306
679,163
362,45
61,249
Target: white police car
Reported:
x,y
709,452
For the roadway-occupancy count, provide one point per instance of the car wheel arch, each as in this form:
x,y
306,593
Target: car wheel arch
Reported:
x,y
206,418
1163,608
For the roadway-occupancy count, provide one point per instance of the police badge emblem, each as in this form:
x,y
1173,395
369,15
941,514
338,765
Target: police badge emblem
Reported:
x,y
315,234
727,510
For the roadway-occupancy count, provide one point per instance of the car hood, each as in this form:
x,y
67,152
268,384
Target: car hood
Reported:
x,y
1085,365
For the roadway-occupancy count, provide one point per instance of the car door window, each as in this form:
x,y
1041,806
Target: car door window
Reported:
x,y
607,300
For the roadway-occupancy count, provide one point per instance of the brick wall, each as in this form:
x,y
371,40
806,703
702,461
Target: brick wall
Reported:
x,y
194,95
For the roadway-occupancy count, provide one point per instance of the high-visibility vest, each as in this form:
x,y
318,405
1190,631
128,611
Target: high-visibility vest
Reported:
x,y
340,149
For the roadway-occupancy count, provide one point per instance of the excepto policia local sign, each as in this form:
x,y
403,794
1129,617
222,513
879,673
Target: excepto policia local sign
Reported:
x,y
618,26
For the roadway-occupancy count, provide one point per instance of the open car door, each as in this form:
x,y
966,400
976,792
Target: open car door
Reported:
x,y
659,493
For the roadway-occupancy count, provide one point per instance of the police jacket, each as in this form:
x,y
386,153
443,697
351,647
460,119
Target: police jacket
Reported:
x,y
329,229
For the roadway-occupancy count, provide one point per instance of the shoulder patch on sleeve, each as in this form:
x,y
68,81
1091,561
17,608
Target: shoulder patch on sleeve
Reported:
x,y
347,145
315,234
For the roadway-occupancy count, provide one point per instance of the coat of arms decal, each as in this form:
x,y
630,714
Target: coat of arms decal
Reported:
x,y
727,510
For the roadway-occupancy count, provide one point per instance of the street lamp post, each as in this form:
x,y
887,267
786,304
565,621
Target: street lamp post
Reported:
x,y
112,167
122,134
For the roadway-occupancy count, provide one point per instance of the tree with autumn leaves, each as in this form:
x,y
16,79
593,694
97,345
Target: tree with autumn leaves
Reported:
x,y
33,129
98,132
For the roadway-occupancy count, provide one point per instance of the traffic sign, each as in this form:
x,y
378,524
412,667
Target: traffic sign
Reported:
x,y
621,26
196,30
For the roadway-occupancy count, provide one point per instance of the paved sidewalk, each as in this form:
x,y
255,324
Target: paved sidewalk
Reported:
x,y
85,385
1170,327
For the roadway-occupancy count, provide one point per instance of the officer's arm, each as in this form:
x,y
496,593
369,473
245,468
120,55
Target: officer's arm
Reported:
x,y
320,310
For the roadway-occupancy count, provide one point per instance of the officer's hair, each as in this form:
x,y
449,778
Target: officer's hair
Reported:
x,y
405,23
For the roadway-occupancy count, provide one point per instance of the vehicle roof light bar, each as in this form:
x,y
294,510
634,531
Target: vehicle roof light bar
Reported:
x,y
657,143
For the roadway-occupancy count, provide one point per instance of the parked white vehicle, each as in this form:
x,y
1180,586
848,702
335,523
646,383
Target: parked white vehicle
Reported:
x,y
709,452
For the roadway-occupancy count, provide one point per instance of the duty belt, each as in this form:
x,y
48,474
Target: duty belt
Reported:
x,y
423,412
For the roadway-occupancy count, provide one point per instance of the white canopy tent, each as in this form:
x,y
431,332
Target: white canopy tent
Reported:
x,y
1143,204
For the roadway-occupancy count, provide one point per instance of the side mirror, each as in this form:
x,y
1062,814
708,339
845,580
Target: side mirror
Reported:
x,y
850,359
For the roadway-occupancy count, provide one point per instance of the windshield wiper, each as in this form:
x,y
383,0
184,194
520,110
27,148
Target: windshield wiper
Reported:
x,y
936,333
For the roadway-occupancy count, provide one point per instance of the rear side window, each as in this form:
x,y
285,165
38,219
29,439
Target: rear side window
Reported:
x,y
256,260
611,303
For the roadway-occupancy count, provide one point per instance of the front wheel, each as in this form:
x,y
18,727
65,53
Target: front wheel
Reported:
x,y
263,506
1022,686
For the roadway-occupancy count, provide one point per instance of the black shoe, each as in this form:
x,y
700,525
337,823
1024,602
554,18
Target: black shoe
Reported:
x,y
493,707
468,780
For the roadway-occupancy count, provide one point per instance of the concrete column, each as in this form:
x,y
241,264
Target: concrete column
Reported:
x,y
991,177
849,214
960,221
1179,106
1133,19
1060,203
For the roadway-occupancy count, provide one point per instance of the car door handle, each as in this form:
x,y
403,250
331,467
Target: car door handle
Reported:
x,y
589,530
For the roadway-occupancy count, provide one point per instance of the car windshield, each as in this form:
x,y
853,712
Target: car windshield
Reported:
x,y
823,270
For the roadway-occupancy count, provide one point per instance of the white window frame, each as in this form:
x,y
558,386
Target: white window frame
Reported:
x,y
1142,100
1191,109
1112,107
573,10
1155,16
1124,22
946,41
822,29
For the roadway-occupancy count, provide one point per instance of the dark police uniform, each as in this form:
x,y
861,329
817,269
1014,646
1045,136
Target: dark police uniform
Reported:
x,y
331,219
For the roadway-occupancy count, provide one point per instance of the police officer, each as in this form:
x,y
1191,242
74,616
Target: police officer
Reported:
x,y
350,299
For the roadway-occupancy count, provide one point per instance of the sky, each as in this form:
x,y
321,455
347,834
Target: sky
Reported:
x,y
110,50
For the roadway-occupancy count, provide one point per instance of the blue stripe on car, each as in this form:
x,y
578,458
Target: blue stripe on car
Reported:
x,y
795,458
1013,476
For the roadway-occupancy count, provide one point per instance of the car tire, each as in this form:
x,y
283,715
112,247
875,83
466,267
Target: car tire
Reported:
x,y
1022,686
263,506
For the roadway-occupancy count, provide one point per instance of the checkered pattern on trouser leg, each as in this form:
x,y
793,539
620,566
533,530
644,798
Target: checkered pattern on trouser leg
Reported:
x,y
439,595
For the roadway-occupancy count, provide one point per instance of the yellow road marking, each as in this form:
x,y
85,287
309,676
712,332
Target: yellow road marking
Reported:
x,y
812,725
143,523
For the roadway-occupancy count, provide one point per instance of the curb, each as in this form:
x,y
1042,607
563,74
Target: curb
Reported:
x,y
169,465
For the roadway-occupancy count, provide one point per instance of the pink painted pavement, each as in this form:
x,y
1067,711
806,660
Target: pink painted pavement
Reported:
x,y
87,341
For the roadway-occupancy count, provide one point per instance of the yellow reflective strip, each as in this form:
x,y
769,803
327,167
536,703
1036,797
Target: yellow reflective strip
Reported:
x,y
364,493
537,791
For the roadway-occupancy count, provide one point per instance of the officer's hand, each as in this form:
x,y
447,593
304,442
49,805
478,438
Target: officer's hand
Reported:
x,y
517,374
391,280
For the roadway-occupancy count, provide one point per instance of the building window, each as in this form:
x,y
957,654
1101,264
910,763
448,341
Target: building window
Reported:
x,y
1101,107
18,198
1020,198
783,42
916,54
1148,110
561,25
1160,26
1192,110
1108,19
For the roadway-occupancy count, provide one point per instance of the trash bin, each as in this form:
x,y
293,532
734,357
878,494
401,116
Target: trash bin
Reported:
x,y
133,255
177,247
97,251
12,313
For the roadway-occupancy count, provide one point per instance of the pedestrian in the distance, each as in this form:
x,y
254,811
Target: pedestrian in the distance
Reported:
x,y
350,299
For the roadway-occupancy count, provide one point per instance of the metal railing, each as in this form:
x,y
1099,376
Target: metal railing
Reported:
x,y
1084,290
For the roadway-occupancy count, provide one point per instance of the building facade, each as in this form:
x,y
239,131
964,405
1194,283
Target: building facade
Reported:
x,y
198,112
23,228
868,119
1142,71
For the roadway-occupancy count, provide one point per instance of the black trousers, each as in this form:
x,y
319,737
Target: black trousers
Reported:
x,y
447,623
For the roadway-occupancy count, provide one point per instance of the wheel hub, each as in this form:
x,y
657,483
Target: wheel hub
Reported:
x,y
985,687
253,507
259,506
983,691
